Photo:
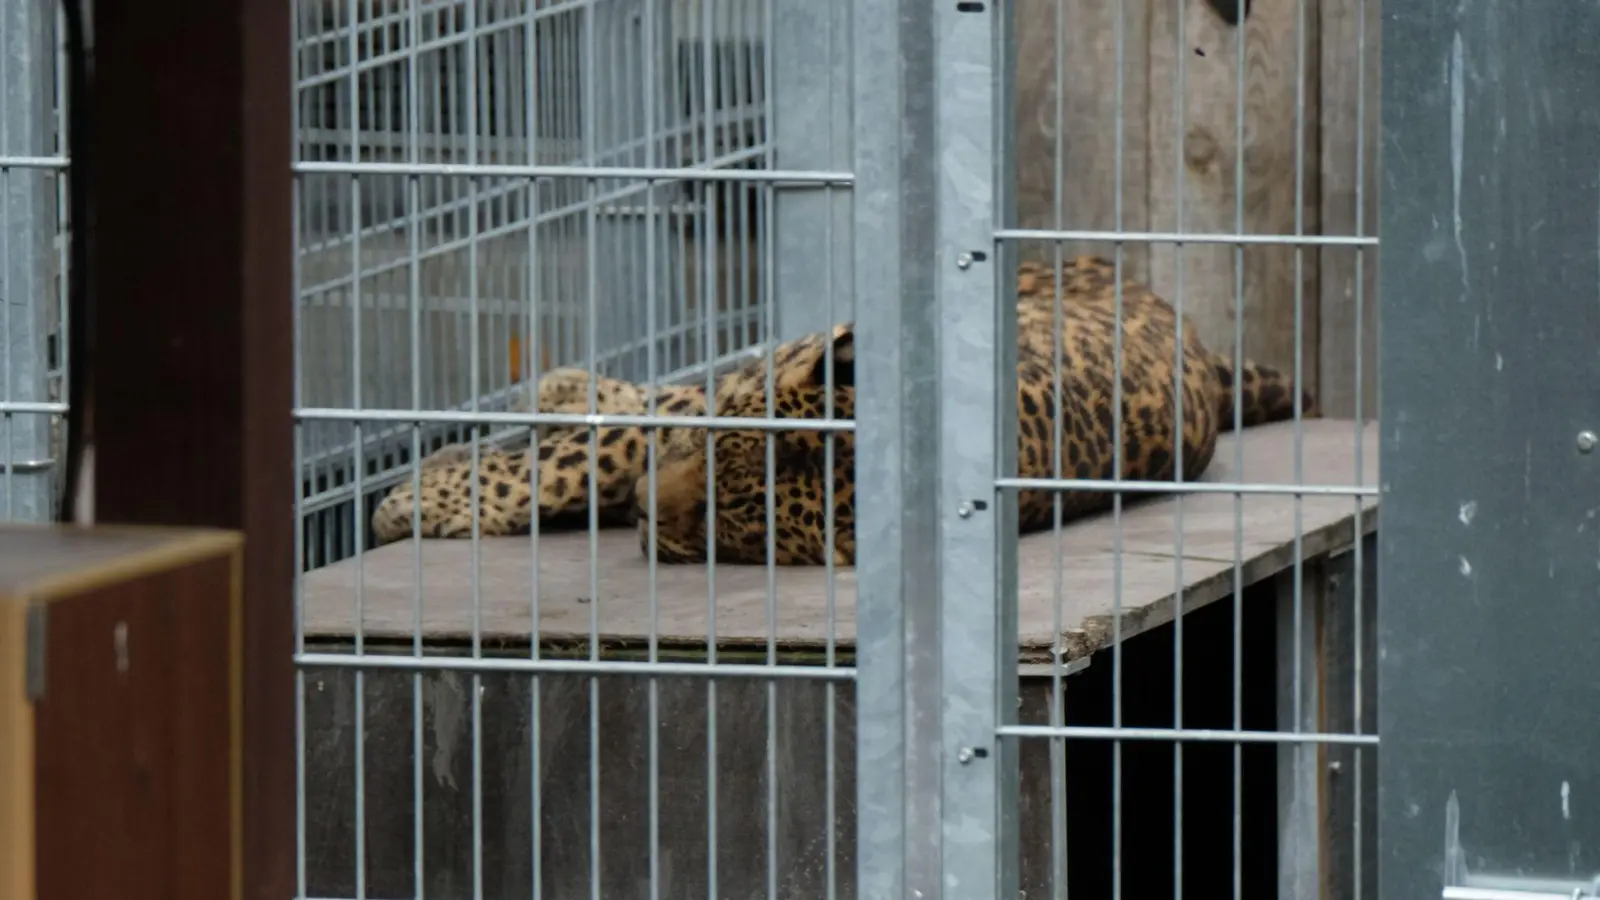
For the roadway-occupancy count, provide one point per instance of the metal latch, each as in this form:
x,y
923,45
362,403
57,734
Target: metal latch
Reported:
x,y
33,676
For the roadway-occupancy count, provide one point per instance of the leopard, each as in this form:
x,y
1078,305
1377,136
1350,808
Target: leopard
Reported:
x,y
1178,397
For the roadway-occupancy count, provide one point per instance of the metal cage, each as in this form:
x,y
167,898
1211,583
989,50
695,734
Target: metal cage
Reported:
x,y
434,290
665,191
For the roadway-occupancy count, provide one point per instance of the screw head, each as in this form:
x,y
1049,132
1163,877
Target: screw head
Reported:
x,y
964,510
964,261
1587,441
964,755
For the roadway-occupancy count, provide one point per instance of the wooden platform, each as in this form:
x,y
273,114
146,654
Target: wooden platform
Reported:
x,y
618,599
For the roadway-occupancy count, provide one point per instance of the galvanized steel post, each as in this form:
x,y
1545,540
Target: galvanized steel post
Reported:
x,y
936,616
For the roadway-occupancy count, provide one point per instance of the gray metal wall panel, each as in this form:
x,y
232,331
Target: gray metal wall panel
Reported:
x,y
1490,352
29,300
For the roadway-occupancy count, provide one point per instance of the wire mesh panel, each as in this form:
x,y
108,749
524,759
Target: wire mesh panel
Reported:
x,y
33,220
450,291
555,448
1175,283
608,649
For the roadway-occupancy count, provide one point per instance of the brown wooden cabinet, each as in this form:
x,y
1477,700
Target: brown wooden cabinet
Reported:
x,y
120,713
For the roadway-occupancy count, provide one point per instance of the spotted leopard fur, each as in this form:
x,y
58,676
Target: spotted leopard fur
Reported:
x,y
1087,288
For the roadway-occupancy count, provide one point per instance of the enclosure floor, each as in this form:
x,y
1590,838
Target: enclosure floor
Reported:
x,y
609,595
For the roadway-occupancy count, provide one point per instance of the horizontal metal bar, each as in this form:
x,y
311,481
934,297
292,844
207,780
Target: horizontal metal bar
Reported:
x,y
381,440
34,162
1207,735
553,150
1183,487
1177,237
569,667
480,32
372,24
1471,893
27,465
21,407
572,420
1502,881
486,195
680,173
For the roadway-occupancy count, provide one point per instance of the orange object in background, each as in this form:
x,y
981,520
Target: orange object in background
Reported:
x,y
514,346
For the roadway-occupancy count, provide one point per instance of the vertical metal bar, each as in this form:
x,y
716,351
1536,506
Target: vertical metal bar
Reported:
x,y
379,193
975,536
705,228
1240,40
1117,453
682,79
470,99
534,344
725,194
1307,834
897,790
442,81
63,226
501,115
28,227
1180,166
809,130
8,331
1007,697
297,330
769,339
768,268
1058,746
589,127
358,451
650,46
1359,754
413,128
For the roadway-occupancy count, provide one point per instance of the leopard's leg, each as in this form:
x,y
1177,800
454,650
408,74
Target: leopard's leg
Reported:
x,y
505,487
441,501
621,460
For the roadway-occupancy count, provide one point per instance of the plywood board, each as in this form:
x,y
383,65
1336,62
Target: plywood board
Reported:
x,y
1195,150
1070,127
1181,151
609,594
1351,32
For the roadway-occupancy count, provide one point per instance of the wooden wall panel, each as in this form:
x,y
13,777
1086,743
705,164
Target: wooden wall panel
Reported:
x,y
1073,44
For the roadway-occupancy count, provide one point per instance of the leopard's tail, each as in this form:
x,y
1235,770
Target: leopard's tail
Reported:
x,y
1266,394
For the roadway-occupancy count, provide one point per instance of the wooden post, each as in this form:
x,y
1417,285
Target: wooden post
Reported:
x,y
193,291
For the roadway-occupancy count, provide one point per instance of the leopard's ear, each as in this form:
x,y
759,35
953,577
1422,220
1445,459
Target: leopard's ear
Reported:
x,y
844,360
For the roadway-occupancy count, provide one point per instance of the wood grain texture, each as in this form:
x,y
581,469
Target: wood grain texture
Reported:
x,y
1067,177
1068,122
535,741
16,756
1193,162
136,772
192,256
1349,74
620,604
41,563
